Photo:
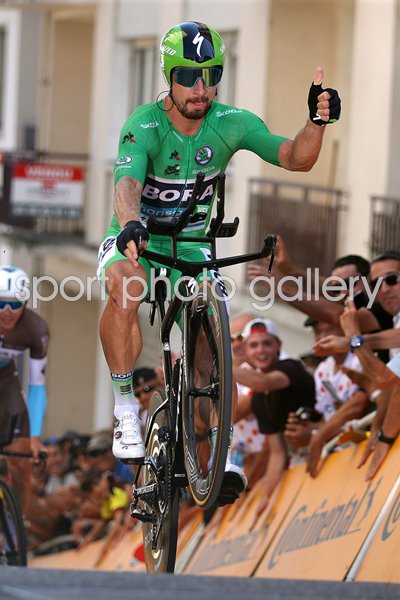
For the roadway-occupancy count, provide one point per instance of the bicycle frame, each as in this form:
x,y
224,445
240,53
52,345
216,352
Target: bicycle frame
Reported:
x,y
217,229
192,269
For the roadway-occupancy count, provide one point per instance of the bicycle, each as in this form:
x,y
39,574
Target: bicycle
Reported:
x,y
13,543
198,387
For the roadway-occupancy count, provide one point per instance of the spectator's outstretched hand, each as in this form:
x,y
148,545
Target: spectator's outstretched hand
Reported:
x,y
349,319
314,454
331,344
378,451
359,378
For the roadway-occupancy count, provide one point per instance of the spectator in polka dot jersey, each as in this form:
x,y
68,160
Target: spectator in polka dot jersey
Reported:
x,y
338,400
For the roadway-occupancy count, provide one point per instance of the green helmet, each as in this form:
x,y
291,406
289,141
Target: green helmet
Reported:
x,y
188,45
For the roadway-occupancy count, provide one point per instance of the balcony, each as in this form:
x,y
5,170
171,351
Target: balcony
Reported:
x,y
306,217
385,224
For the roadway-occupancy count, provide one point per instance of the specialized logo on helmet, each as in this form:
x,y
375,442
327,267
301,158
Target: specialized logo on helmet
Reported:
x,y
198,39
203,155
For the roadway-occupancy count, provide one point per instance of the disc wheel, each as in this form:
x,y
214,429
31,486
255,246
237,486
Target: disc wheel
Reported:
x,y
207,393
161,535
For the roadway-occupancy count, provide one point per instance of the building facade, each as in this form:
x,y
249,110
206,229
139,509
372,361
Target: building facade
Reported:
x,y
73,71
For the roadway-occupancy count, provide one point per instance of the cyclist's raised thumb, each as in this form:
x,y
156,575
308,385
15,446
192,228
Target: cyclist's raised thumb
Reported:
x,y
318,76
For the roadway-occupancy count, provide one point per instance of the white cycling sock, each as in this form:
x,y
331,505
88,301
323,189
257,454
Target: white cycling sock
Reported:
x,y
124,398
212,435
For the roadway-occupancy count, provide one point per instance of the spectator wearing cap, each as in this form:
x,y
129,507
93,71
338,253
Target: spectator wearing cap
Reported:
x,y
246,431
98,455
279,386
145,381
73,444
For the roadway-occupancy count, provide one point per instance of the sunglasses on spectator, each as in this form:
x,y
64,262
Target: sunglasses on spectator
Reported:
x,y
210,76
391,279
13,304
237,336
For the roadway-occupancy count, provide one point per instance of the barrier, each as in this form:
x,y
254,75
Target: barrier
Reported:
x,y
235,539
334,527
330,519
379,561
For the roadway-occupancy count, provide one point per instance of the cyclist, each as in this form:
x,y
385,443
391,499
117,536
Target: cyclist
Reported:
x,y
162,147
21,329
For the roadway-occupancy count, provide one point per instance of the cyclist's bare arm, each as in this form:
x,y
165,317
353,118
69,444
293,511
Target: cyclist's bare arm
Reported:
x,y
127,197
302,153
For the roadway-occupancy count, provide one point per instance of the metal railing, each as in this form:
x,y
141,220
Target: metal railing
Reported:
x,y
385,224
305,216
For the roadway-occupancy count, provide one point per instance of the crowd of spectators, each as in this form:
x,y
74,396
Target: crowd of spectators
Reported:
x,y
82,493
288,407
355,335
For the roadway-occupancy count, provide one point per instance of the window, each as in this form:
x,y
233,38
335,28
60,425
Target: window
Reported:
x,y
142,73
226,89
2,51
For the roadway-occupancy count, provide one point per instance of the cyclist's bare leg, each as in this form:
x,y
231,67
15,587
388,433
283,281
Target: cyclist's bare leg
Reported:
x,y
20,472
119,328
122,343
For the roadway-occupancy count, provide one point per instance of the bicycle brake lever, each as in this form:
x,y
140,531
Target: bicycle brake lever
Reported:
x,y
272,244
271,261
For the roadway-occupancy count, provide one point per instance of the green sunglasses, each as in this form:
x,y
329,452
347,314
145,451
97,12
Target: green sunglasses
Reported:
x,y
210,76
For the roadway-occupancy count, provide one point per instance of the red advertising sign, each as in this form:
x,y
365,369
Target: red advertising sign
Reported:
x,y
47,190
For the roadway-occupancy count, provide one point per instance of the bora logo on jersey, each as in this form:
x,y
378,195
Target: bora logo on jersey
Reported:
x,y
203,155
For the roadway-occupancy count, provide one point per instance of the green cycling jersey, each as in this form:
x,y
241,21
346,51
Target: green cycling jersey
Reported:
x,y
166,162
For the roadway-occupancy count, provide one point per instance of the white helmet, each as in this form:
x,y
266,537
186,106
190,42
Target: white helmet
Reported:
x,y
14,284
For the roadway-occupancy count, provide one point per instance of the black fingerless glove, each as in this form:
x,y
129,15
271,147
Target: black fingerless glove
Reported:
x,y
133,230
334,104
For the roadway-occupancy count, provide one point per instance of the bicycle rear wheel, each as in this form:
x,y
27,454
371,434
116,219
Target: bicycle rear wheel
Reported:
x,y
160,536
207,393
12,530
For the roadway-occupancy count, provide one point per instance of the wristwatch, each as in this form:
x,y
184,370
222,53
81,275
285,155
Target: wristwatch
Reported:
x,y
383,438
356,341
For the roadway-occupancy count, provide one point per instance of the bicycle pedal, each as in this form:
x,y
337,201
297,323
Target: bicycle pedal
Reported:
x,y
133,461
141,515
227,496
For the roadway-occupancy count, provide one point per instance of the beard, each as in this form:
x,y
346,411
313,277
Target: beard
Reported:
x,y
191,113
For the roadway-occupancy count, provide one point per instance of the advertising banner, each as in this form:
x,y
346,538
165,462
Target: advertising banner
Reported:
x,y
330,519
47,190
236,539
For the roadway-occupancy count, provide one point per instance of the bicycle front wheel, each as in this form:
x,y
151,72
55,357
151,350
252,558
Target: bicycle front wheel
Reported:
x,y
207,393
12,531
160,534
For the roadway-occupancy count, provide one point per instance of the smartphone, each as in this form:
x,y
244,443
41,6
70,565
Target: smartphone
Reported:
x,y
304,413
338,401
360,299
